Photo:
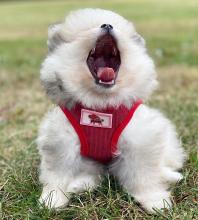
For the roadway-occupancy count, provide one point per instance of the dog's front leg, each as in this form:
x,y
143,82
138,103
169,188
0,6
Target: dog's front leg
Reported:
x,y
57,189
63,170
140,176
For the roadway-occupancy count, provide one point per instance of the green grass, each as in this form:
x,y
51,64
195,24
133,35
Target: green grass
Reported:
x,y
170,29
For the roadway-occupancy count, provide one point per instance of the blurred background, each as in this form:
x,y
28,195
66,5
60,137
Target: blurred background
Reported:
x,y
170,28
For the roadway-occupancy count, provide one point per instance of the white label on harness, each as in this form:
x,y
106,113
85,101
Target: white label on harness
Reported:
x,y
95,119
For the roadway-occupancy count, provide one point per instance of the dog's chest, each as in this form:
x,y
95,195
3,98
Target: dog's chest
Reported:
x,y
99,130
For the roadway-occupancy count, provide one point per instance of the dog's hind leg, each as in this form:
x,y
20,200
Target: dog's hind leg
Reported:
x,y
145,166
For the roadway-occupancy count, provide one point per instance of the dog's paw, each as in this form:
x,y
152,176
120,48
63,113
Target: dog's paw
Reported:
x,y
171,176
155,201
53,199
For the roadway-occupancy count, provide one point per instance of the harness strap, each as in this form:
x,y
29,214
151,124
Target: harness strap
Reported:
x,y
124,123
104,153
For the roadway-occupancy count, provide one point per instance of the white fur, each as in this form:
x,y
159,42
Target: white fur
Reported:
x,y
149,150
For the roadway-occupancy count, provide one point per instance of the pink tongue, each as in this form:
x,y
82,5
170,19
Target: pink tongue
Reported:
x,y
106,74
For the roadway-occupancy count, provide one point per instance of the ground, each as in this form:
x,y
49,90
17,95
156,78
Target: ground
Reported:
x,y
170,29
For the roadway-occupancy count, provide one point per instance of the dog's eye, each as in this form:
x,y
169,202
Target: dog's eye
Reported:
x,y
138,39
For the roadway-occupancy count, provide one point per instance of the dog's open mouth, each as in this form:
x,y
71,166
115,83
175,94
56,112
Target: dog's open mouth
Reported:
x,y
104,60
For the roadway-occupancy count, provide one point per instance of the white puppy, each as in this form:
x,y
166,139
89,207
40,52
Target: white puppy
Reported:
x,y
98,69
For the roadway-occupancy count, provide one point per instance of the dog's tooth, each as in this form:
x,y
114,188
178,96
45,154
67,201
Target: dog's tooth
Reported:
x,y
93,51
107,83
114,51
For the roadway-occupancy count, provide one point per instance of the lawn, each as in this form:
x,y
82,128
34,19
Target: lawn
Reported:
x,y
170,29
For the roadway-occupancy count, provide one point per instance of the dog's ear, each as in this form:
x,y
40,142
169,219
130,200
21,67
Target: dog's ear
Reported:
x,y
139,39
55,36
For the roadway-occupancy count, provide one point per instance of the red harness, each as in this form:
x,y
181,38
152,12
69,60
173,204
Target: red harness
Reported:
x,y
99,131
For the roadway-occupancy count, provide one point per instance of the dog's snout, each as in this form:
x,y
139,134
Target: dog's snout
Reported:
x,y
107,27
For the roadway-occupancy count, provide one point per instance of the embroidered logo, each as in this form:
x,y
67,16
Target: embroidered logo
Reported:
x,y
95,119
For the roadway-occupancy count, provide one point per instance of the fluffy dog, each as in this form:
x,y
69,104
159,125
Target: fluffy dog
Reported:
x,y
98,61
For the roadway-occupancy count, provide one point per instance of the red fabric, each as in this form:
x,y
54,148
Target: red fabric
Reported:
x,y
100,143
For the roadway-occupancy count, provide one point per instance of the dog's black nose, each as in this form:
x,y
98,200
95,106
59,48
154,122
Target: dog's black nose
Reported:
x,y
107,27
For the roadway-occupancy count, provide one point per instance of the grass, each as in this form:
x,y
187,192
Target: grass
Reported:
x,y
170,29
